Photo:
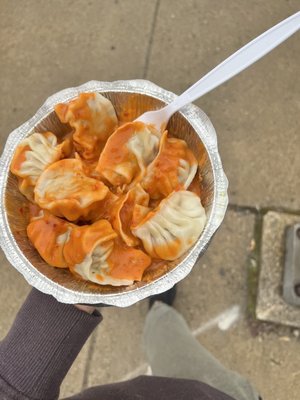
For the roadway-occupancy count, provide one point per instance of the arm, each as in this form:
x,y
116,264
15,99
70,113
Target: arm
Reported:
x,y
41,346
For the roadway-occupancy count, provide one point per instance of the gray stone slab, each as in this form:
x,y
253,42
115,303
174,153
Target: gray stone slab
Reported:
x,y
256,114
269,358
48,46
270,303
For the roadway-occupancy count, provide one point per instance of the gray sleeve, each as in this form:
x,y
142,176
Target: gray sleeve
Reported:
x,y
41,346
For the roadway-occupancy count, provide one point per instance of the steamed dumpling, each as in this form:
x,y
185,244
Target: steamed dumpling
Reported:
x,y
101,259
174,168
89,241
127,153
93,118
125,212
173,227
33,155
67,192
49,234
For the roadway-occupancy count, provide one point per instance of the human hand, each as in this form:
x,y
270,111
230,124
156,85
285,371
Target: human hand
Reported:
x,y
85,308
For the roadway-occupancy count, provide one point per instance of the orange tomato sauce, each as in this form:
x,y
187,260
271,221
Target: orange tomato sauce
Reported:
x,y
126,214
43,233
116,151
127,262
164,176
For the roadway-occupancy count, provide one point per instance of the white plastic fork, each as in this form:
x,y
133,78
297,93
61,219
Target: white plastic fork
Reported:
x,y
234,64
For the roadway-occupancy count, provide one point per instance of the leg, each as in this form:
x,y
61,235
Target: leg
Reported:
x,y
172,351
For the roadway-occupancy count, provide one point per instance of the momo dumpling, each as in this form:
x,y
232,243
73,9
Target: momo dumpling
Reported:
x,y
124,214
103,259
174,168
33,155
49,234
86,240
127,153
93,119
173,227
36,153
67,192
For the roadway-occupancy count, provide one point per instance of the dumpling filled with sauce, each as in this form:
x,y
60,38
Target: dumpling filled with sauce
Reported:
x,y
125,213
173,227
174,168
65,191
103,259
33,155
49,235
93,119
127,153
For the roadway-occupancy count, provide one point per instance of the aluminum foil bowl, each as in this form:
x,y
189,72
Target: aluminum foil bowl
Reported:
x,y
130,99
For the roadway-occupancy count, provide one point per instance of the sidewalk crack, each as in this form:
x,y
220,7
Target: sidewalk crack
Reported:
x,y
150,43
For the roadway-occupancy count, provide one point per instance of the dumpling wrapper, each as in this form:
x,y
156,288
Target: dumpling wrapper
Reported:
x,y
125,212
84,239
127,153
33,155
104,209
93,118
173,168
173,227
101,259
48,234
67,192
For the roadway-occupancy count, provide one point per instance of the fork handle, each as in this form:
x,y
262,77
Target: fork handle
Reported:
x,y
238,61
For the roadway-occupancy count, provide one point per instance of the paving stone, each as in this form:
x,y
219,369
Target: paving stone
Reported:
x,y
256,114
270,303
268,359
48,46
